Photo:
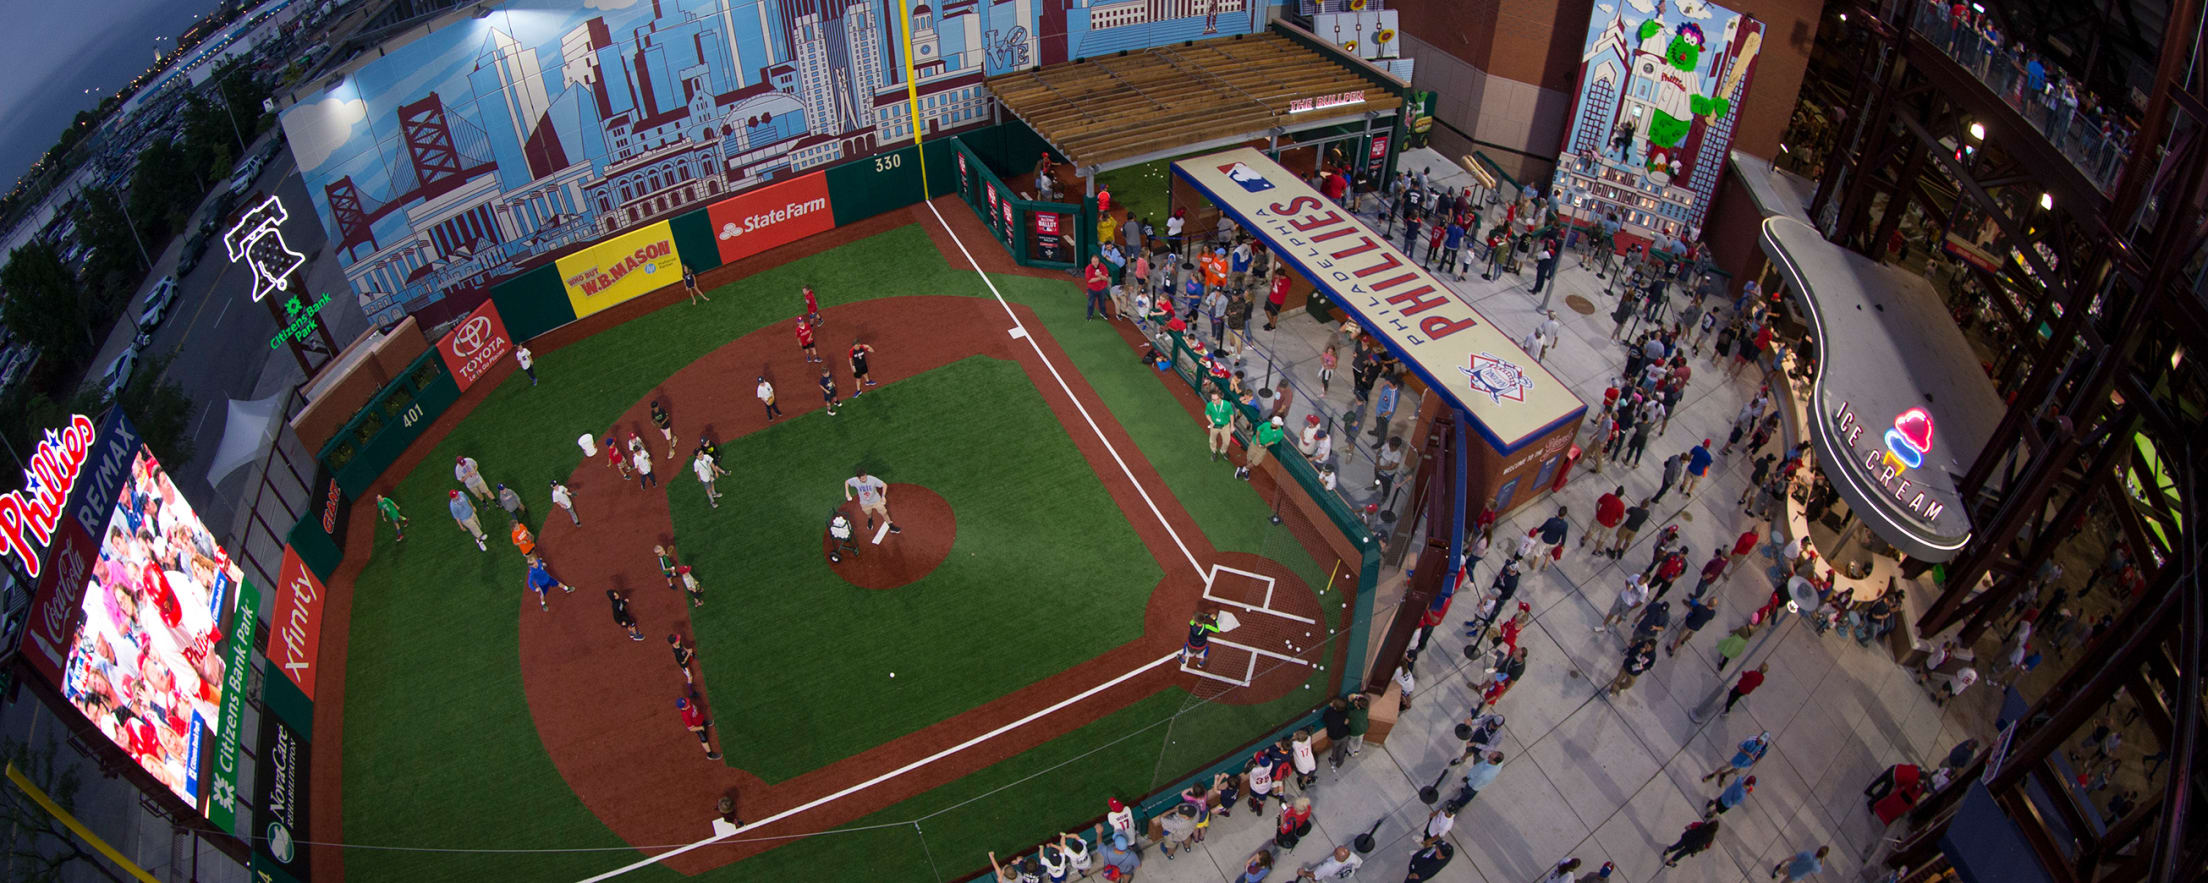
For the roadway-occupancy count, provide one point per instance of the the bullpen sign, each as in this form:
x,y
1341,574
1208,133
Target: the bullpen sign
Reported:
x,y
620,268
76,544
1456,350
297,641
777,214
476,344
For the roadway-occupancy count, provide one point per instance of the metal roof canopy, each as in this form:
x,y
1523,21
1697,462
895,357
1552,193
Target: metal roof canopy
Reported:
x,y
1109,112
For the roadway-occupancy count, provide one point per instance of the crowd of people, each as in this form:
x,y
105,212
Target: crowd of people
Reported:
x,y
2094,135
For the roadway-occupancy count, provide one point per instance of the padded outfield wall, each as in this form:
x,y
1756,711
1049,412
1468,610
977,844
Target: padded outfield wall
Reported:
x,y
490,146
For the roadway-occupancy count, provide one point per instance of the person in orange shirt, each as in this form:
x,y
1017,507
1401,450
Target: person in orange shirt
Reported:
x,y
523,539
1215,268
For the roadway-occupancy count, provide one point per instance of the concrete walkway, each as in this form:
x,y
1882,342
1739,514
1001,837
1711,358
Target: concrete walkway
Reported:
x,y
1617,779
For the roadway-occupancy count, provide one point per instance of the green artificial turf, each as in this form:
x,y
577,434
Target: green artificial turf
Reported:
x,y
1045,572
440,750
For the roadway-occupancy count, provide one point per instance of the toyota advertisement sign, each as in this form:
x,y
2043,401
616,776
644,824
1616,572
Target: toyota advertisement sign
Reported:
x,y
778,214
475,344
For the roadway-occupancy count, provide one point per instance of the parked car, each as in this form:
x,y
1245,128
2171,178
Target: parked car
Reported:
x,y
195,247
118,373
157,303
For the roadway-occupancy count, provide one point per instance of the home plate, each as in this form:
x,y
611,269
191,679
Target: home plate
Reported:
x,y
881,532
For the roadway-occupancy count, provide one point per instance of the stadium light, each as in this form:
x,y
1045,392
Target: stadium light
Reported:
x,y
2047,201
1977,131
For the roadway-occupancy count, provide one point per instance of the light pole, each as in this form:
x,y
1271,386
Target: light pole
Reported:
x,y
133,225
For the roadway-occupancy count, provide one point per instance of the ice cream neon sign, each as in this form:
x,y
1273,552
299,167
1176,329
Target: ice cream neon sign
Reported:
x,y
1887,464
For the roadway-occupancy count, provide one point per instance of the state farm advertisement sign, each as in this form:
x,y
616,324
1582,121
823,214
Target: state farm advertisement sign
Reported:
x,y
777,214
475,344
297,636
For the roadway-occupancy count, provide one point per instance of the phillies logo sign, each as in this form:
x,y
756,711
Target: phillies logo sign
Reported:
x,y
27,516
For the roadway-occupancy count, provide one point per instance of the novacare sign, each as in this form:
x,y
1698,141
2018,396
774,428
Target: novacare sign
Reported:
x,y
765,217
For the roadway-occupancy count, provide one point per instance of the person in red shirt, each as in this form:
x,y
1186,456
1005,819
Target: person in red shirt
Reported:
x,y
1749,681
1712,571
812,307
1744,545
1099,281
805,339
694,720
1609,512
1276,298
1674,564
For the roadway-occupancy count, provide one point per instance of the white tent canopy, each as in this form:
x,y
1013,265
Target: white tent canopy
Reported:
x,y
247,433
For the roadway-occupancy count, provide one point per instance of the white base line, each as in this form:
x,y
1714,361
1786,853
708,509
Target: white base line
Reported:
x,y
907,768
1020,327
1255,652
1248,671
1261,607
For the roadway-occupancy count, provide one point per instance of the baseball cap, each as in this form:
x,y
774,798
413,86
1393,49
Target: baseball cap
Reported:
x,y
456,495
1276,421
681,702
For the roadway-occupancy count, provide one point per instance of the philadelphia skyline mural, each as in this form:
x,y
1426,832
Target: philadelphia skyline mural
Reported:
x,y
460,158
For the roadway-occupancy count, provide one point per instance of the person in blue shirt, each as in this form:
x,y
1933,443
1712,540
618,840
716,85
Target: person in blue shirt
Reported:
x,y
1733,795
1481,775
1802,864
1452,239
541,581
1751,750
1698,465
1383,409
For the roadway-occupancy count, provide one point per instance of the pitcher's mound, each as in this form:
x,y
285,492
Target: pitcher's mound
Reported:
x,y
926,529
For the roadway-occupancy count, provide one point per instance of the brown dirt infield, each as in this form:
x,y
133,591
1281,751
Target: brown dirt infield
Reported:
x,y
599,699
928,526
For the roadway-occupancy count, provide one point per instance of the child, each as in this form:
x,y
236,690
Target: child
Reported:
x,y
389,511
666,564
690,585
828,390
614,457
812,308
805,339
1327,360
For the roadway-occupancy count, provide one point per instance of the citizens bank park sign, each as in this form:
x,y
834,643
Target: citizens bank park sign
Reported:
x,y
1513,400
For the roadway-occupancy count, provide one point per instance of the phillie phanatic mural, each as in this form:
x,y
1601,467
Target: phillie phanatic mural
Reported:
x,y
461,157
1660,85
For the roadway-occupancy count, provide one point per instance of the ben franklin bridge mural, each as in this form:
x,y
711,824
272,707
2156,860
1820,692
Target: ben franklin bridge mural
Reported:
x,y
462,157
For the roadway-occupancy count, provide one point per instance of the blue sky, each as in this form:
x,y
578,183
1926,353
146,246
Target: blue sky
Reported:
x,y
58,50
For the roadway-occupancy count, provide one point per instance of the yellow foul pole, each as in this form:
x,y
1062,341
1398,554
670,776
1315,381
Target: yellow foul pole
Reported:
x,y
69,820
912,91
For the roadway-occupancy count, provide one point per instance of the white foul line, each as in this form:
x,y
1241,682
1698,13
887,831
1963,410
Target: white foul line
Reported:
x,y
819,801
1020,330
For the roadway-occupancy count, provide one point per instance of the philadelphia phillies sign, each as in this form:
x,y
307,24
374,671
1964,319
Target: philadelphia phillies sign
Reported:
x,y
28,516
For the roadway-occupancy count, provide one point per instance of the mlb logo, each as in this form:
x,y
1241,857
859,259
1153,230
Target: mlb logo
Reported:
x,y
1250,180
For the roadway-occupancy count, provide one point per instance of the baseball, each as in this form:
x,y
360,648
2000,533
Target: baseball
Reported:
x,y
893,674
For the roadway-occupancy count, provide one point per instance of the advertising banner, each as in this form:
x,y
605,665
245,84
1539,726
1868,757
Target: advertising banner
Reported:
x,y
101,466
297,622
237,654
282,788
148,658
620,268
777,214
476,344
1047,225
1513,399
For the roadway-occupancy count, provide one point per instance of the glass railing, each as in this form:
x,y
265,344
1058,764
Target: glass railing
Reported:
x,y
2097,143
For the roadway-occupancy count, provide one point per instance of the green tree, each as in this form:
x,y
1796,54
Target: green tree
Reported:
x,y
160,410
163,188
43,304
37,845
102,225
